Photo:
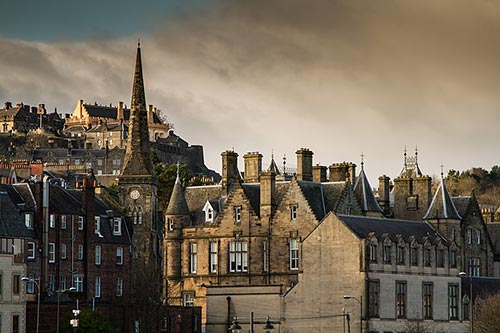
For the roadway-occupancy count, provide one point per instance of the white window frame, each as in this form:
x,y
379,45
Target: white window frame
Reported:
x,y
469,235
97,287
52,253
31,250
213,247
98,255
63,222
193,257
28,220
170,224
80,252
78,283
294,254
97,225
119,255
80,222
188,298
478,236
119,286
64,253
63,282
52,283
293,212
237,214
238,256
52,221
117,226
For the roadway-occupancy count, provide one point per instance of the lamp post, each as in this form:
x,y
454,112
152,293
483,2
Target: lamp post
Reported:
x,y
360,301
36,282
59,293
235,326
471,303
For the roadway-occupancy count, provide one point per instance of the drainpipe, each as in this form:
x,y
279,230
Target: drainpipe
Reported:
x,y
45,230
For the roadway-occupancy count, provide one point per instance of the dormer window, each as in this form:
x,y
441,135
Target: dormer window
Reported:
x,y
117,226
209,212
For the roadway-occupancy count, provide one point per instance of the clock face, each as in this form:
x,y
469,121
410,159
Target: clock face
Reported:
x,y
135,194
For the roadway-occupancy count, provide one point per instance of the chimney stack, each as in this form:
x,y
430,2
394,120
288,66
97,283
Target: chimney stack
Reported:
x,y
267,194
340,172
383,192
253,167
7,105
229,169
304,164
119,111
319,173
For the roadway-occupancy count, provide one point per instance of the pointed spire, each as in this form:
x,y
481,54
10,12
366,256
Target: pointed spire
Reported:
x,y
137,159
442,206
273,167
363,191
177,204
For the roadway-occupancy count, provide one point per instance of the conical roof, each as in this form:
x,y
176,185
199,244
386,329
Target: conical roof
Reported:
x,y
442,207
177,204
365,194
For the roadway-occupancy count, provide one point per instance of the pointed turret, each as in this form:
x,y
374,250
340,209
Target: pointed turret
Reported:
x,y
177,204
363,190
442,206
137,159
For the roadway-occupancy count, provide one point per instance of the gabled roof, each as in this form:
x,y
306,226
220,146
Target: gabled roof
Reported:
x,y
442,206
365,194
363,226
11,222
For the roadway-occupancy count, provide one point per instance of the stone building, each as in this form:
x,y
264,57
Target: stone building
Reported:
x,y
23,118
246,232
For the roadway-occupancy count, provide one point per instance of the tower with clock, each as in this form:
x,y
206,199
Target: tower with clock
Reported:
x,y
137,184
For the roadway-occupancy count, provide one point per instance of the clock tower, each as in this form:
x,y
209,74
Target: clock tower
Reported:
x,y
137,183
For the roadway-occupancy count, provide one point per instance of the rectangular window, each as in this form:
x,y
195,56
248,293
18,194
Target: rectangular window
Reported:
x,y
80,222
119,286
414,256
64,254
469,236
78,283
97,286
237,214
440,258
400,255
213,257
453,233
373,253
387,254
30,284
293,212
63,282
119,255
80,252
478,236
427,257
453,301
99,162
238,256
400,299
117,226
31,250
97,225
188,298
475,266
427,297
373,298
193,258
453,258
164,324
170,224
264,256
52,221
28,220
15,323
63,222
52,253
1,284
16,284
98,254
52,283
294,254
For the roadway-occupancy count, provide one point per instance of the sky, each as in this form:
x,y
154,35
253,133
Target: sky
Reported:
x,y
342,78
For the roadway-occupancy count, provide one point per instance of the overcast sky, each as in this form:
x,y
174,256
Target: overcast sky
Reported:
x,y
341,78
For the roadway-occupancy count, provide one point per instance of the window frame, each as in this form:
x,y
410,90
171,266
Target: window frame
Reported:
x,y
238,256
373,298
293,212
52,253
453,301
427,300
293,245
97,287
237,214
213,256
193,257
98,255
31,250
401,299
119,255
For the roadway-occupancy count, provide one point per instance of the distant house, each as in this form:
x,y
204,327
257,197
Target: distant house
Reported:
x,y
23,118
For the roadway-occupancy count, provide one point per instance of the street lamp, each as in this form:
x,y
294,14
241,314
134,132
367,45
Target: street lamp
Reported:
x,y
36,282
268,327
471,303
235,326
59,293
360,301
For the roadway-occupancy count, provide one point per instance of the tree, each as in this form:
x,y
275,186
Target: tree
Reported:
x,y
88,322
487,314
420,326
166,175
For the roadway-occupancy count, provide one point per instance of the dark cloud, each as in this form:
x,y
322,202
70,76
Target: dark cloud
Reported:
x,y
340,77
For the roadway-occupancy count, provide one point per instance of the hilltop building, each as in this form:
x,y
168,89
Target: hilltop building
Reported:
x,y
23,118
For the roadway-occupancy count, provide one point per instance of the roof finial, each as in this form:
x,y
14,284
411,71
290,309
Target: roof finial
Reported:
x,y
138,43
178,179
272,154
284,164
405,156
362,160
416,155
442,171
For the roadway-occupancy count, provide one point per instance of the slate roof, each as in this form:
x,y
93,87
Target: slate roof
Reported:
x,y
481,286
252,191
108,127
365,194
43,154
461,204
333,192
11,222
102,111
62,202
442,206
197,196
313,192
362,226
494,232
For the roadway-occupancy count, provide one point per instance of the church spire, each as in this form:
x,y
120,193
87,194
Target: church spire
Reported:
x,y
137,159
